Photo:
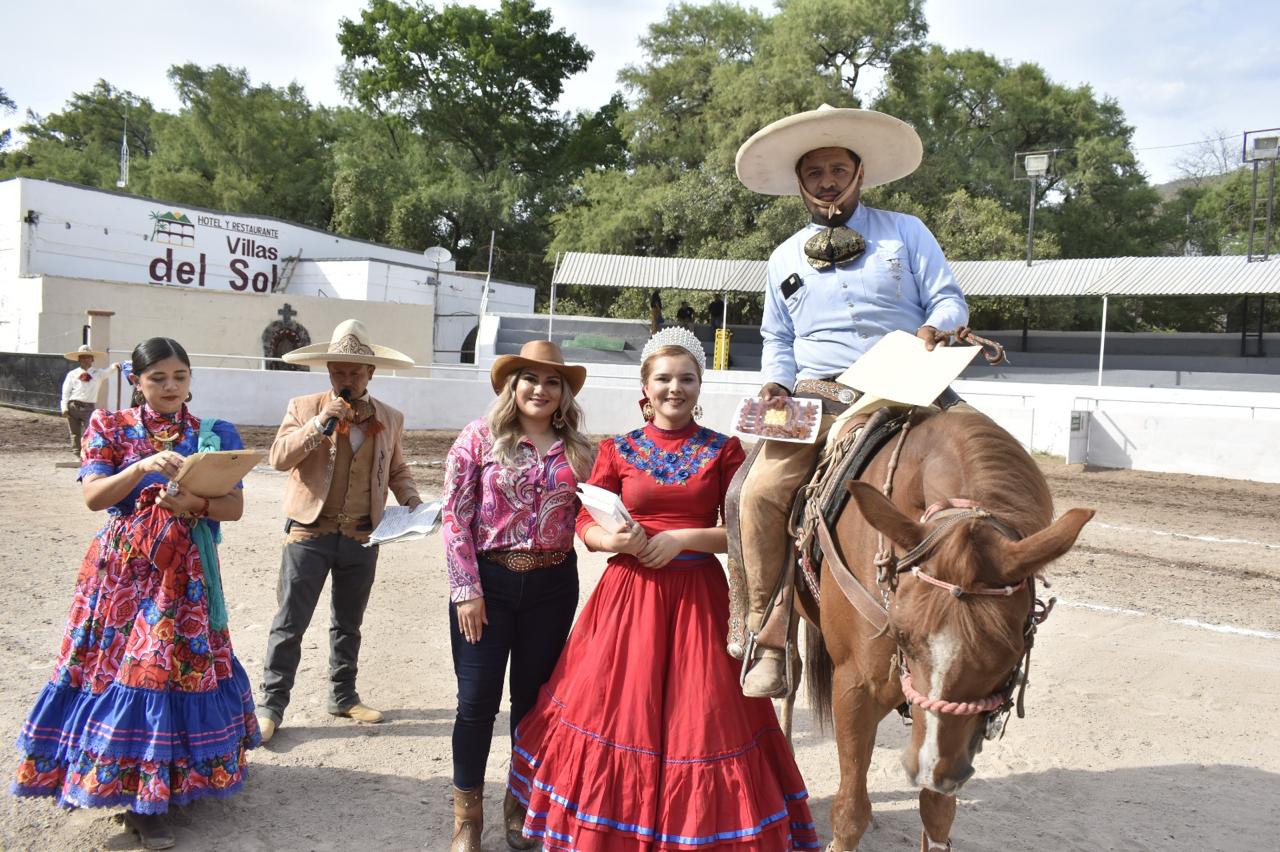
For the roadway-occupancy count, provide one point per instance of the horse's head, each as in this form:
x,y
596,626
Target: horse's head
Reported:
x,y
962,637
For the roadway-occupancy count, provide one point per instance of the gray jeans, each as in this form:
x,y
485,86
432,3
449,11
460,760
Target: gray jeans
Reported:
x,y
303,568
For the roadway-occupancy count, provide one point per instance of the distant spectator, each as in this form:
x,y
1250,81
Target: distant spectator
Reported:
x,y
684,315
715,312
655,312
80,392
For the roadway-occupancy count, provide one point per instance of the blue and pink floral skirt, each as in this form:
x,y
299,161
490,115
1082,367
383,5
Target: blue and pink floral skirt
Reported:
x,y
147,706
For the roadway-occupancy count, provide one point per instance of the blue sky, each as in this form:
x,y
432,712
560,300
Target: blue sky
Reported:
x,y
1181,70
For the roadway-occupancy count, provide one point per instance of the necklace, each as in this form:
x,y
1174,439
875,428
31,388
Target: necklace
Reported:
x,y
171,433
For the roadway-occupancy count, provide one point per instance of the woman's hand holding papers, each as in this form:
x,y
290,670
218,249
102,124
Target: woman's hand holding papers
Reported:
x,y
630,539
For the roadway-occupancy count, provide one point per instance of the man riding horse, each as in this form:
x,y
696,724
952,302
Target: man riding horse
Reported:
x,y
835,287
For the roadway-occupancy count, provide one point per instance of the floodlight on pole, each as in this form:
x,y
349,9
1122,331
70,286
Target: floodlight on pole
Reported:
x,y
1035,165
1261,146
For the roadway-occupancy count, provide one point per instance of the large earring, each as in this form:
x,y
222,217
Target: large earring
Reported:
x,y
647,410
697,411
189,398
557,420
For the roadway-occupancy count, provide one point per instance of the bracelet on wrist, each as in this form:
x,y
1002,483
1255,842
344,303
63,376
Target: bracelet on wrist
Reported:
x,y
204,510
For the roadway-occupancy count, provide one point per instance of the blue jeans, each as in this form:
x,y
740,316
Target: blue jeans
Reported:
x,y
530,613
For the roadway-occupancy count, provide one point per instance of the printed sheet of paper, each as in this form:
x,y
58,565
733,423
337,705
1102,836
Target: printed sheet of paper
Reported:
x,y
898,368
213,474
604,506
400,523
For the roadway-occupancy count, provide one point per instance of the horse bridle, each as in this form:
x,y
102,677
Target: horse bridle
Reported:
x,y
889,567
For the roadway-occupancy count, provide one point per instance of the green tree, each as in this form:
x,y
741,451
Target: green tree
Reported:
x,y
81,144
245,148
6,106
462,139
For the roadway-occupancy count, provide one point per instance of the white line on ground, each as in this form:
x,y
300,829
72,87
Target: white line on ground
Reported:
x,y
1185,622
1228,628
1212,538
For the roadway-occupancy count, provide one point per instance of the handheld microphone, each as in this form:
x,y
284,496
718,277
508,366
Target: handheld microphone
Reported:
x,y
332,424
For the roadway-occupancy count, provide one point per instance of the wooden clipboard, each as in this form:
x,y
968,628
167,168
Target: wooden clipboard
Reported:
x,y
213,474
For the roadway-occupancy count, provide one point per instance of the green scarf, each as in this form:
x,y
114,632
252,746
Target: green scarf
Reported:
x,y
205,541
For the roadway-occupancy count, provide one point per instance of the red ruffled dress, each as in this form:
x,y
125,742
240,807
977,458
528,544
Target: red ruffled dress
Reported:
x,y
642,739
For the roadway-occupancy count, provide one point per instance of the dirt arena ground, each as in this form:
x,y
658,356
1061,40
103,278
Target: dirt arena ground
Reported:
x,y
1152,714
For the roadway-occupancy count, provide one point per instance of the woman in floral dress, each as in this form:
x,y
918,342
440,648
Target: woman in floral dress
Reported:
x,y
148,706
642,739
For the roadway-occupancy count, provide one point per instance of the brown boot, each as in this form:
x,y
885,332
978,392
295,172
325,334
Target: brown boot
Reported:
x,y
468,819
513,821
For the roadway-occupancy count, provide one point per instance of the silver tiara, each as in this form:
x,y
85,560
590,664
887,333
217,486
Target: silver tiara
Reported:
x,y
676,336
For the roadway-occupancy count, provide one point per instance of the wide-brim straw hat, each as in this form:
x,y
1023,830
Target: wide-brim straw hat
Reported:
x,y
888,147
350,344
84,350
537,353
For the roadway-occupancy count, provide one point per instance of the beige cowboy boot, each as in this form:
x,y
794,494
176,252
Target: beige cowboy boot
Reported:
x,y
767,676
513,821
468,819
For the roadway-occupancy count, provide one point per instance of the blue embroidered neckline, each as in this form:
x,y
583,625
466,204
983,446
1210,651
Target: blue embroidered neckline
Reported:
x,y
670,467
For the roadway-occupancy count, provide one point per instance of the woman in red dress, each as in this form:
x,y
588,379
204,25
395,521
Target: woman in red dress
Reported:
x,y
642,739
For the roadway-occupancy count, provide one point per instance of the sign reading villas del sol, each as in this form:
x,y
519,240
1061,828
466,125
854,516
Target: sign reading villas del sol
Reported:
x,y
77,232
183,243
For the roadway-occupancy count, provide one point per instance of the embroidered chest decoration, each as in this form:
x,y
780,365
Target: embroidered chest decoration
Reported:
x,y
670,467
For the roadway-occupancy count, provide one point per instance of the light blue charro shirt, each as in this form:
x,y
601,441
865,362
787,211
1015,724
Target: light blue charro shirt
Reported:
x,y
901,283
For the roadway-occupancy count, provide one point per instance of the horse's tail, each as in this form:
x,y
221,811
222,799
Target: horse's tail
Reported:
x,y
819,671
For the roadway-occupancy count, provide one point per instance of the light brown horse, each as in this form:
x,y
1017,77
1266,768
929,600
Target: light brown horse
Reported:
x,y
956,597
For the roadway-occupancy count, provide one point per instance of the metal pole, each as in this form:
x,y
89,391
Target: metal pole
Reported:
x,y
1244,325
1031,216
1271,197
1026,318
484,295
1102,339
1262,315
1253,212
551,311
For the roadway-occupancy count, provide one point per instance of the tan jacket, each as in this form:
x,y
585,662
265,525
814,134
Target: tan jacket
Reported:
x,y
300,449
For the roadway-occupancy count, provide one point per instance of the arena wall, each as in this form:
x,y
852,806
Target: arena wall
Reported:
x,y
1210,433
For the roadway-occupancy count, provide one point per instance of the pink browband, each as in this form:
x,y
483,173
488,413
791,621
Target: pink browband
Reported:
x,y
954,708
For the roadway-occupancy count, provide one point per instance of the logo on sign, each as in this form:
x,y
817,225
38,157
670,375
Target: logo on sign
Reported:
x,y
172,228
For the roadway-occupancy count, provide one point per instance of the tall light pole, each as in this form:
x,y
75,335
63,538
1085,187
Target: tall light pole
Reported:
x,y
1035,165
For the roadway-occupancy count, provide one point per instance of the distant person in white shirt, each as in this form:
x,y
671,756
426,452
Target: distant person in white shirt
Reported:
x,y
80,392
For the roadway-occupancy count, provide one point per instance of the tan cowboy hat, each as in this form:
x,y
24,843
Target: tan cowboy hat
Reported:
x,y
84,350
888,147
537,353
349,345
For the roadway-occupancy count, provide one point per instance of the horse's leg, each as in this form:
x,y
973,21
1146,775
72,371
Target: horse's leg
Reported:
x,y
937,812
856,714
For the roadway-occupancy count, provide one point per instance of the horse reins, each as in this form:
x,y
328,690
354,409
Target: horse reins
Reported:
x,y
889,567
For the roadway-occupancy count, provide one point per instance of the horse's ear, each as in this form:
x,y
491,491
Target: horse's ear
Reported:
x,y
884,516
1029,555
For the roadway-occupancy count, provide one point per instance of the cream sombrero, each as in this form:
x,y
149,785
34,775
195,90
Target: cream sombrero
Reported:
x,y
350,345
84,350
889,147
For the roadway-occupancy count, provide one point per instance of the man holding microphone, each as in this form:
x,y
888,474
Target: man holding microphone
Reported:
x,y
341,448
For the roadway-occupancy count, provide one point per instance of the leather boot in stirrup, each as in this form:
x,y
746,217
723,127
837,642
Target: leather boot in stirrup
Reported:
x,y
513,821
468,819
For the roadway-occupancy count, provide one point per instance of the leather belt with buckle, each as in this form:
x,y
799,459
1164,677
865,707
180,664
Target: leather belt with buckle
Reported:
x,y
526,560
835,397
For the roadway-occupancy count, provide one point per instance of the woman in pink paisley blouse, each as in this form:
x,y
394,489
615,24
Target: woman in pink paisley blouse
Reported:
x,y
508,524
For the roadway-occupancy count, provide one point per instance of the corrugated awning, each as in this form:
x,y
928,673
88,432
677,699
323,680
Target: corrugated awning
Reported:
x,y
1116,276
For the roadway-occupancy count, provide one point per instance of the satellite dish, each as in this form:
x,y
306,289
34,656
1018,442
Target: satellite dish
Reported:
x,y
438,255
